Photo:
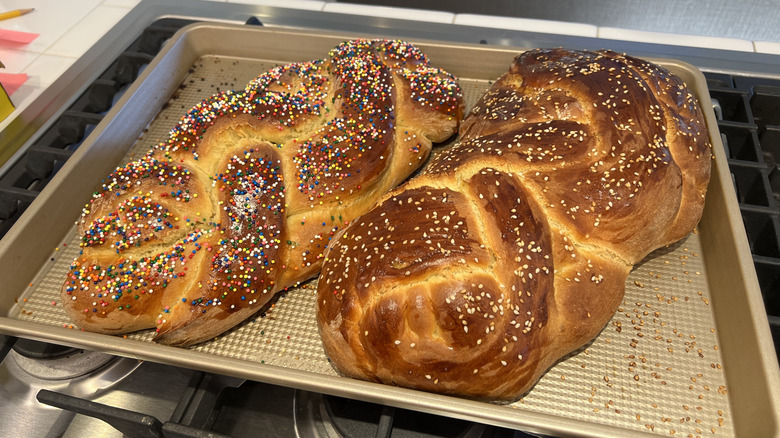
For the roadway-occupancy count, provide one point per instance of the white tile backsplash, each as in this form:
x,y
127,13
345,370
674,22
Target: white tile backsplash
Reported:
x,y
16,60
121,3
675,39
51,19
87,31
41,73
390,12
768,47
309,5
527,25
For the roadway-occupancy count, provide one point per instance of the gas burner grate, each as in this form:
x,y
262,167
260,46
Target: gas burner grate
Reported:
x,y
748,112
29,175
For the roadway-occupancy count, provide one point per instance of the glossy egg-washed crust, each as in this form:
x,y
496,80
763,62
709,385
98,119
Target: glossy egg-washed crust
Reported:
x,y
513,247
241,200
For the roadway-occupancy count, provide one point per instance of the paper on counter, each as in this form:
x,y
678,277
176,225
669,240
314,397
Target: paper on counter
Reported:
x,y
16,36
12,81
6,106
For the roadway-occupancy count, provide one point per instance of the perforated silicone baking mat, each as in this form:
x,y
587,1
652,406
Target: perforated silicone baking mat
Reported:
x,y
657,367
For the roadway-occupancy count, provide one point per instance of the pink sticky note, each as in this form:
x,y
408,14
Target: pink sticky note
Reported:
x,y
18,37
12,81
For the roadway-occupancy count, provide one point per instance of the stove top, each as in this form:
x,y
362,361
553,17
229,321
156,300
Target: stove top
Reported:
x,y
58,391
50,390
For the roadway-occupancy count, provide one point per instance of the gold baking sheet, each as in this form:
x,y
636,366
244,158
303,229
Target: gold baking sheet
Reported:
x,y
667,363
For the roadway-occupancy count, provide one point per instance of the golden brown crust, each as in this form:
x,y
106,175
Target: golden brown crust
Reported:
x,y
242,199
512,248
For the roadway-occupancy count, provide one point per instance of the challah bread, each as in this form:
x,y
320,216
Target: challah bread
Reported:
x,y
241,200
513,247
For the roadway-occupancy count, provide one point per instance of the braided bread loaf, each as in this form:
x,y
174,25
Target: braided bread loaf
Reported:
x,y
241,200
513,247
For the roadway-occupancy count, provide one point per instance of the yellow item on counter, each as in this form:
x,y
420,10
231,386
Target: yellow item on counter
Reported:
x,y
6,106
15,13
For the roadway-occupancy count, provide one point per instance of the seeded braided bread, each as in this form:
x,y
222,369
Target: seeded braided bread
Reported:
x,y
513,247
241,200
